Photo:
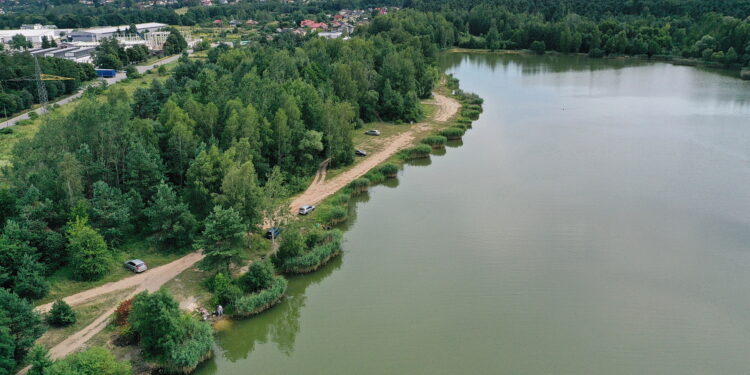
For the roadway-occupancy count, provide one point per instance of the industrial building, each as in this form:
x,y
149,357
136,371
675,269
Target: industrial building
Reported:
x,y
32,35
97,34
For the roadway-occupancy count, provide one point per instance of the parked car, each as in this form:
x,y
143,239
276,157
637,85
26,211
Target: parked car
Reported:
x,y
306,209
373,132
273,232
360,152
136,265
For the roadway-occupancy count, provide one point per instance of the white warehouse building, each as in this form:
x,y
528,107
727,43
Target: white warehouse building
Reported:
x,y
32,35
97,34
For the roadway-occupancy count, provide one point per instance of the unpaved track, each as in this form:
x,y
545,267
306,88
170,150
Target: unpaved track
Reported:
x,y
153,279
150,280
320,188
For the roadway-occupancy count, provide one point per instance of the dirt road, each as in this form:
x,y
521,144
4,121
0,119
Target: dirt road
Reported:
x,y
321,189
153,279
150,280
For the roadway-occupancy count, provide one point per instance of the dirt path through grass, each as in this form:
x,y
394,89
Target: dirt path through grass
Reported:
x,y
321,189
153,279
150,280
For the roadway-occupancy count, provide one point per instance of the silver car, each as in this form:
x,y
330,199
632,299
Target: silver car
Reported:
x,y
304,210
136,265
373,132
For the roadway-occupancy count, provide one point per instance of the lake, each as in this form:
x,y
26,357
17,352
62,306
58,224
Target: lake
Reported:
x,y
596,220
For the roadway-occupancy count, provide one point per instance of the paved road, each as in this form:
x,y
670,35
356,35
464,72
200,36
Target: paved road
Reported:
x,y
119,77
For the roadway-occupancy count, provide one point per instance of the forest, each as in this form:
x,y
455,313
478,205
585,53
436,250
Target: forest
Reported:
x,y
19,90
199,158
687,33
217,144
71,14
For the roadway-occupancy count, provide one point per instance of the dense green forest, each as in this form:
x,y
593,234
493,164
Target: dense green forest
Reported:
x,y
17,95
690,33
712,30
74,15
212,146
198,159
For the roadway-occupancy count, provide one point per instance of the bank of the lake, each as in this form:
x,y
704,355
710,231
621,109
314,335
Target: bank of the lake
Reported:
x,y
596,222
734,70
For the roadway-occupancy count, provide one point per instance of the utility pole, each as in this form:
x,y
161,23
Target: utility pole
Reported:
x,y
40,89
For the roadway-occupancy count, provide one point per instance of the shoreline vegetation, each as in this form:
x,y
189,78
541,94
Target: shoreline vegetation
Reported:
x,y
742,72
334,209
191,166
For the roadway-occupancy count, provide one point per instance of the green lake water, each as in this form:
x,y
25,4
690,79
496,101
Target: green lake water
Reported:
x,y
596,220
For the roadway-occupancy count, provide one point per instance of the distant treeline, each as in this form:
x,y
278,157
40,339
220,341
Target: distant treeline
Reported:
x,y
76,15
556,10
17,95
713,37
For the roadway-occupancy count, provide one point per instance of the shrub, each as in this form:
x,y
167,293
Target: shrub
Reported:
x,y
292,245
61,314
463,120
224,290
329,247
96,360
470,113
474,107
389,170
39,360
33,115
126,335
132,72
452,133
360,185
332,215
538,47
258,277
375,177
416,152
175,341
745,74
255,303
314,237
123,312
596,53
340,199
6,131
435,141
472,98
89,255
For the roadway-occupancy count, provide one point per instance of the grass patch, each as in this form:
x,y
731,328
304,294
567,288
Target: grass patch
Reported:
x,y
85,314
435,141
360,185
61,284
389,170
374,176
452,133
340,199
332,215
416,152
